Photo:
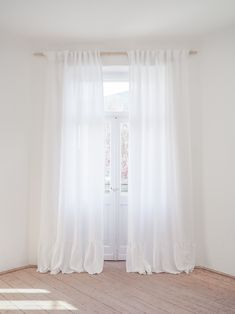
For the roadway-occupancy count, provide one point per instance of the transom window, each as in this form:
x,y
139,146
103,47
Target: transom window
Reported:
x,y
116,96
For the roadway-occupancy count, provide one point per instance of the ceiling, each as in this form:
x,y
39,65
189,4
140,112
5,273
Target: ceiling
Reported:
x,y
93,20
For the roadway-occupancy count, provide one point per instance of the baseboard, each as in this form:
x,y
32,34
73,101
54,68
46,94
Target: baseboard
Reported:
x,y
215,271
16,269
196,267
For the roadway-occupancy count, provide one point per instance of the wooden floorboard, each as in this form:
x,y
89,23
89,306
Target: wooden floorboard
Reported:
x,y
115,291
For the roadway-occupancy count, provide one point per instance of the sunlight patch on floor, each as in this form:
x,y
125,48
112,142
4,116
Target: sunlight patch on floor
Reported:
x,y
24,291
36,305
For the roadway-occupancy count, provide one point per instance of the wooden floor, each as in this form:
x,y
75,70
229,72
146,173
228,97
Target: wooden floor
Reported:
x,y
115,291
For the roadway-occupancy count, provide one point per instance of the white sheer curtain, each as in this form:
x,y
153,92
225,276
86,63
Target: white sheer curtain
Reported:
x,y
160,226
71,233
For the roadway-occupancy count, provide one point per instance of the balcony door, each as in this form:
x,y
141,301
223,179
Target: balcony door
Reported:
x,y
116,92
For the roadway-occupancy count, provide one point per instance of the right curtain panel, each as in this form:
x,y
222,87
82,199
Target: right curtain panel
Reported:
x,y
160,213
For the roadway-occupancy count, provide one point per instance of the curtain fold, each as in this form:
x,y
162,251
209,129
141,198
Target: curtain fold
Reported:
x,y
71,232
160,222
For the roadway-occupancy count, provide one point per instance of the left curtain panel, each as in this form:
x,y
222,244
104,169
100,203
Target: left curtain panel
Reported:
x,y
71,226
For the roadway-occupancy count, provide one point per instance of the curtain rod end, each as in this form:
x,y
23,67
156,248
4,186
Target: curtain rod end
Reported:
x,y
193,52
39,54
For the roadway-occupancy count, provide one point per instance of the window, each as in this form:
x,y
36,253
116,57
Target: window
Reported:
x,y
124,157
116,96
107,175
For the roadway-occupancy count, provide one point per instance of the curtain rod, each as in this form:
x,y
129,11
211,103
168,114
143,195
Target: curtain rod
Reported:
x,y
108,53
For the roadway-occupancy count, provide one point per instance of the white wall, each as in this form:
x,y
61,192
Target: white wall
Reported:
x,y
216,216
37,84
14,156
213,150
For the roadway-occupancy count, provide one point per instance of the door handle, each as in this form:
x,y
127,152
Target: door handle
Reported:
x,y
114,189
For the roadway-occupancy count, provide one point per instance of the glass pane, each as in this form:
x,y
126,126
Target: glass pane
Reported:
x,y
116,96
124,157
107,174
